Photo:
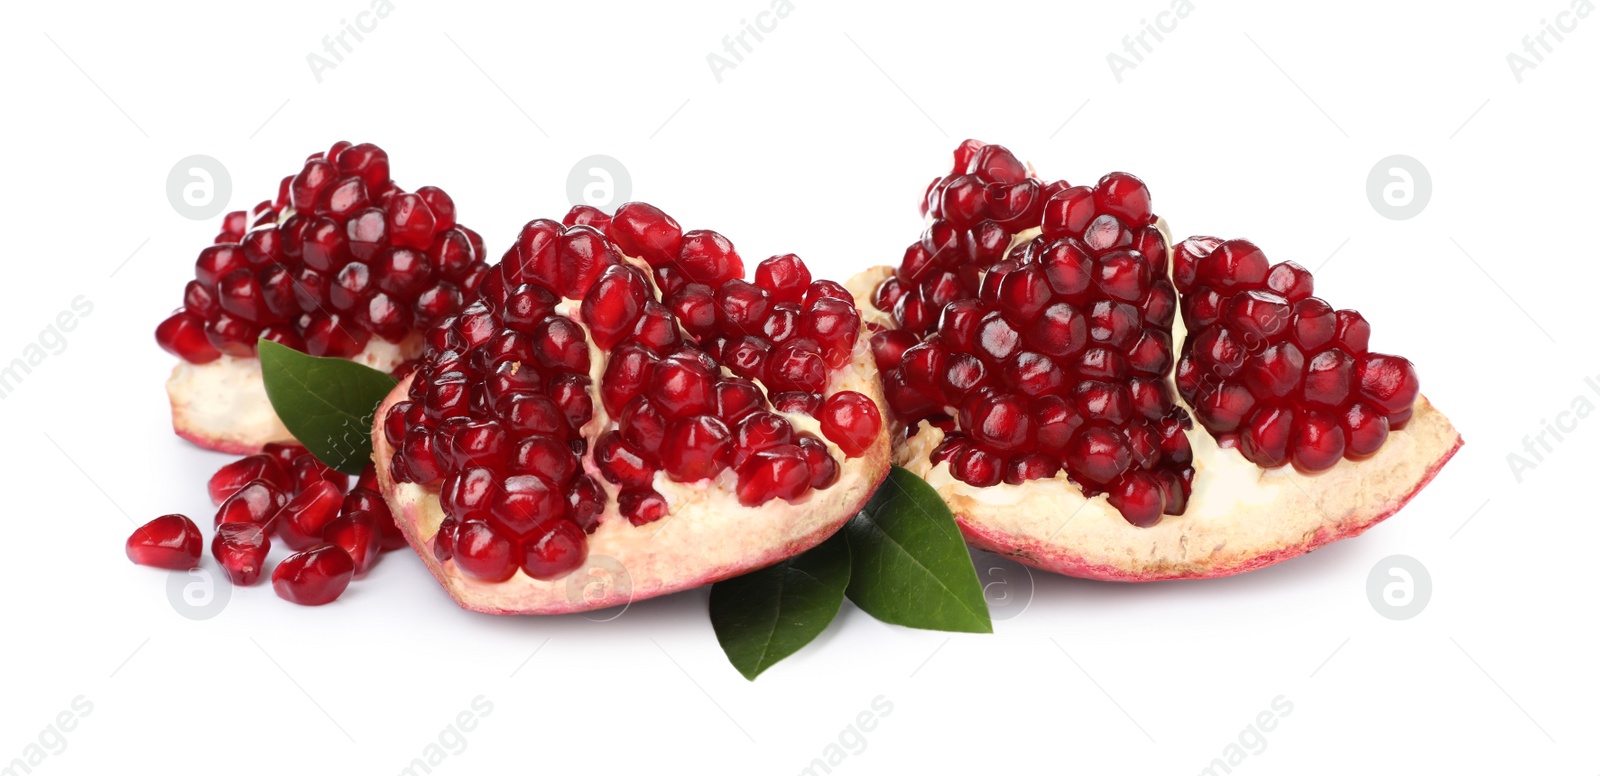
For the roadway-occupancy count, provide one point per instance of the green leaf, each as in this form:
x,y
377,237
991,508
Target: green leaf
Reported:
x,y
327,403
909,564
768,615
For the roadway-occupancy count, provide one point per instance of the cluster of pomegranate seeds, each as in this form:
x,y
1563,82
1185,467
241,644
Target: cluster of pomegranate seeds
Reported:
x,y
283,491
1277,371
501,415
1035,329
341,255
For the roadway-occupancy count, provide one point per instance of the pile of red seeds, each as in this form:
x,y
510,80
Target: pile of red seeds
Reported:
x,y
1277,370
284,492
341,255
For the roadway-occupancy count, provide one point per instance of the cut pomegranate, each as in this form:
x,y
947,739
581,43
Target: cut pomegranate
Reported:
x,y
343,263
1027,347
314,577
168,542
594,407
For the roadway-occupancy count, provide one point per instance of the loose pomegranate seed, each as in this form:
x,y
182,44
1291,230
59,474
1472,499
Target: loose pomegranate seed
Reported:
x,y
358,534
168,542
230,478
241,549
302,520
257,502
1277,371
314,577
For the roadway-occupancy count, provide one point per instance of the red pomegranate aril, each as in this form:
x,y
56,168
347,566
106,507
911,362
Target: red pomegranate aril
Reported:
x,y
620,464
737,398
1388,382
314,577
785,277
695,448
523,502
241,550
301,522
1365,430
977,467
184,336
558,549
1030,466
681,386
614,304
1138,495
231,477
796,365
824,469
482,553
1317,442
777,472
1265,439
585,502
168,542
358,534
641,506
835,325
851,421
707,257
889,347
643,231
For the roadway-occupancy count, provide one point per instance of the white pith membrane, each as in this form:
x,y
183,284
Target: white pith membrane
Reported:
x,y
222,405
1239,516
706,536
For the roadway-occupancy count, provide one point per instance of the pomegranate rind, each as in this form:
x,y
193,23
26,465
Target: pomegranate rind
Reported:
x,y
707,535
1240,516
223,405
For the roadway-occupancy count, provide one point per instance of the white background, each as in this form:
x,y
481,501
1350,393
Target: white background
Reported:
x,y
1249,119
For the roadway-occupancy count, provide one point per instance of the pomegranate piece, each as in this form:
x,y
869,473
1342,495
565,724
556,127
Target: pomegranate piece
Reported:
x,y
168,542
241,549
568,417
314,577
1026,341
1275,371
1079,312
343,263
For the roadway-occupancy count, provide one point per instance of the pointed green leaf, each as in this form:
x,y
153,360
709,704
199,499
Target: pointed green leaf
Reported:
x,y
327,403
909,564
768,615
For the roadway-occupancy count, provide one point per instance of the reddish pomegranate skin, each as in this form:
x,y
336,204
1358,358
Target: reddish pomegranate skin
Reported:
x,y
500,419
1277,372
1047,356
342,255
314,577
168,542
